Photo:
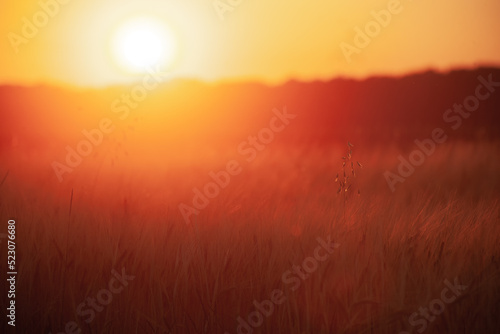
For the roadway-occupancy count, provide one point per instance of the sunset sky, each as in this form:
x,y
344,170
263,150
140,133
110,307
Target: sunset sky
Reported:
x,y
269,41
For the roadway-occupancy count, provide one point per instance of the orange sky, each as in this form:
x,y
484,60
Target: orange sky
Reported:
x,y
270,41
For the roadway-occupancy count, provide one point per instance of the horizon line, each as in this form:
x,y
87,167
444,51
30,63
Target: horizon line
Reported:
x,y
266,83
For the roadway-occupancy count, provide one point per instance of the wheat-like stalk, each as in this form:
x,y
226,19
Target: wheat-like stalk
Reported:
x,y
345,179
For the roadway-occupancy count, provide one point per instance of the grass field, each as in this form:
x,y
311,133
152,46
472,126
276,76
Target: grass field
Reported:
x,y
395,251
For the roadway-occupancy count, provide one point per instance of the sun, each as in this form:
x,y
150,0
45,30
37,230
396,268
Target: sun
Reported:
x,y
141,43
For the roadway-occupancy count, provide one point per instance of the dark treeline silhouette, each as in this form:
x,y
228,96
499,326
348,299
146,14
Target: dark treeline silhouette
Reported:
x,y
378,109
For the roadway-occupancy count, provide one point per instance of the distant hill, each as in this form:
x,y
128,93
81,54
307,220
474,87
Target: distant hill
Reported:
x,y
375,109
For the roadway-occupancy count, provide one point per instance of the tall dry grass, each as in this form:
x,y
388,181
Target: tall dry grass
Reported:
x,y
396,249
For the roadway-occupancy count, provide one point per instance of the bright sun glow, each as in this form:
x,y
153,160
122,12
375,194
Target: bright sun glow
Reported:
x,y
142,43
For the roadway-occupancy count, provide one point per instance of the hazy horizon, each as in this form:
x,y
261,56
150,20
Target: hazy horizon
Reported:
x,y
241,81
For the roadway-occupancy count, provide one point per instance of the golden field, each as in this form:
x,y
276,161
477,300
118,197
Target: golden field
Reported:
x,y
395,250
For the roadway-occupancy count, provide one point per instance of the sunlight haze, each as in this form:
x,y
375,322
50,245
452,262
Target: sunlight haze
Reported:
x,y
263,41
